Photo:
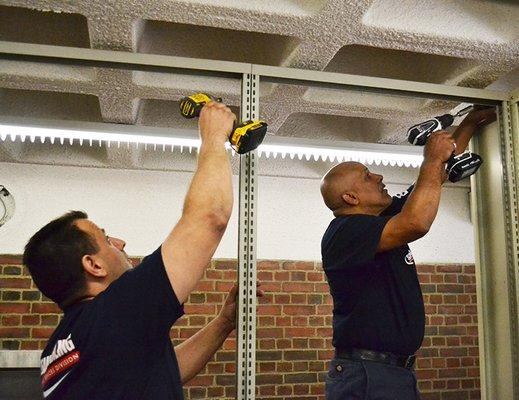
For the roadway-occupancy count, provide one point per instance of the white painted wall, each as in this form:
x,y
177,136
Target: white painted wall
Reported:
x,y
141,206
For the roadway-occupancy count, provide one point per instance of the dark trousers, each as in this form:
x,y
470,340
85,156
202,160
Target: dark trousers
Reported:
x,y
369,380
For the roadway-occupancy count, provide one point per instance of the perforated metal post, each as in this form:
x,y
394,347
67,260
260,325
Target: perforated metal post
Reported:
x,y
495,196
509,153
246,332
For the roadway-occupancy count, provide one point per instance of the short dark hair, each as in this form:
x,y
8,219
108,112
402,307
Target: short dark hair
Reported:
x,y
53,256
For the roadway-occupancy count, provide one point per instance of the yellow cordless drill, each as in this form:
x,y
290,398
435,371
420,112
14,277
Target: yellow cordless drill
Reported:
x,y
245,137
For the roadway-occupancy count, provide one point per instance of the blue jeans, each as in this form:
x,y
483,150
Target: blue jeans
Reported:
x,y
369,380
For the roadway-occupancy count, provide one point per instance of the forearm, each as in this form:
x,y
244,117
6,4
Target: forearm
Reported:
x,y
211,188
463,134
194,353
422,204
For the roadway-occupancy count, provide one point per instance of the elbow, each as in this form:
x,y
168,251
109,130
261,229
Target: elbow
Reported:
x,y
218,220
419,227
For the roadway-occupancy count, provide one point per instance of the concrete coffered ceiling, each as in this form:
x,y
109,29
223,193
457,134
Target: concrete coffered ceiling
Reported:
x,y
471,43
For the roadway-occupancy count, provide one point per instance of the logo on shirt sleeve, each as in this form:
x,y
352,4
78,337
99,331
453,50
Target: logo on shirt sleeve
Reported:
x,y
403,194
57,364
409,260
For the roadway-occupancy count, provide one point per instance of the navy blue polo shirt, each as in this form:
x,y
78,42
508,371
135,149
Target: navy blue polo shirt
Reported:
x,y
117,345
377,300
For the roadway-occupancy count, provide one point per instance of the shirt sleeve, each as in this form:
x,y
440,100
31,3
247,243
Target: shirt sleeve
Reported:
x,y
354,242
142,300
398,202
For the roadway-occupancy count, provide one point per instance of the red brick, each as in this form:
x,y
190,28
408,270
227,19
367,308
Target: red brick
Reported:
x,y
42,333
45,308
201,380
29,345
298,287
271,287
452,373
298,298
282,299
453,363
284,344
222,286
15,283
269,310
300,332
284,390
299,310
322,288
469,269
298,265
324,332
13,332
207,286
11,320
421,269
450,288
281,276
14,308
449,268
264,276
268,265
269,333
266,344
230,275
215,298
225,264
10,259
266,390
315,276
450,309
453,384
212,274
297,276
300,321
283,321
451,278
324,309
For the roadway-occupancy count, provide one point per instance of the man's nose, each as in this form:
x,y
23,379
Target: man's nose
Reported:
x,y
119,243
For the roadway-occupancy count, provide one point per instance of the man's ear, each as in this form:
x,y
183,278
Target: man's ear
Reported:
x,y
92,266
350,198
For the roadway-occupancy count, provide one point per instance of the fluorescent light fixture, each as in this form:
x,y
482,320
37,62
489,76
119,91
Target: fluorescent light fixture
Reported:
x,y
95,134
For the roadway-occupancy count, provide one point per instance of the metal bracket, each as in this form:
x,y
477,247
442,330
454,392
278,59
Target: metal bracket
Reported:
x,y
246,334
509,143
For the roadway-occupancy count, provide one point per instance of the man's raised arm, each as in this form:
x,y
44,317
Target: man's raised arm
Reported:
x,y
420,209
188,249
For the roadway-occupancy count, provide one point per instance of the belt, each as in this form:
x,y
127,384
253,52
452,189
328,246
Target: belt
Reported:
x,y
376,356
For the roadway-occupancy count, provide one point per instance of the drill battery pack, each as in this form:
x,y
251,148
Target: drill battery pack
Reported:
x,y
248,135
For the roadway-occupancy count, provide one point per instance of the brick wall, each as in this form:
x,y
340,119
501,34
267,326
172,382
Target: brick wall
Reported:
x,y
294,328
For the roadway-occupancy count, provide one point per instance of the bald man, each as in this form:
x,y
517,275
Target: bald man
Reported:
x,y
378,315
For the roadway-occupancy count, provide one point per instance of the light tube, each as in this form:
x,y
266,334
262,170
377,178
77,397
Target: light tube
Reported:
x,y
273,146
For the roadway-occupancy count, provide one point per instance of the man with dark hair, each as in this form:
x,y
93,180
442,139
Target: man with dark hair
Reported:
x,y
378,315
113,341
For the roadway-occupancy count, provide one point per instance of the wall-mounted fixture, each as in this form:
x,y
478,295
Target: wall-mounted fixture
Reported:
x,y
7,205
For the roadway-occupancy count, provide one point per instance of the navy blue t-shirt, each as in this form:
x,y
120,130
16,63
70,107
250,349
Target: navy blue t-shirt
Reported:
x,y
378,303
117,345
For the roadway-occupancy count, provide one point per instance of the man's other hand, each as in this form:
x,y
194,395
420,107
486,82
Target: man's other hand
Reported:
x,y
480,117
228,311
